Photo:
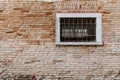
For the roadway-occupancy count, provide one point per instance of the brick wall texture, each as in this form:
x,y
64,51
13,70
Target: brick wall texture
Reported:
x,y
27,42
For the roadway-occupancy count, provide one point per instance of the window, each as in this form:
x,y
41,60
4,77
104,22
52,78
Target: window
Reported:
x,y
78,29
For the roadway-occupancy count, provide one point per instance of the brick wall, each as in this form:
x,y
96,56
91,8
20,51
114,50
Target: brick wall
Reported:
x,y
27,42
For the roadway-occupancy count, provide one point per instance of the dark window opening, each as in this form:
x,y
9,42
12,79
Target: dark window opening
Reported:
x,y
77,29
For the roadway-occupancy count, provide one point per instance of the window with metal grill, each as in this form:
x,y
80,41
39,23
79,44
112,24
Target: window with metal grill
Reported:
x,y
78,29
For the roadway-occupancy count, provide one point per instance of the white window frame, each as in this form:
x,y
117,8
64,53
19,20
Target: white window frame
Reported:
x,y
80,15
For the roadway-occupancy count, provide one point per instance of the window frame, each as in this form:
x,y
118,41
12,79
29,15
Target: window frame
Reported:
x,y
80,15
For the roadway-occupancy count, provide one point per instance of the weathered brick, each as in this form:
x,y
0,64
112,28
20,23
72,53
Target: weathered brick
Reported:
x,y
27,42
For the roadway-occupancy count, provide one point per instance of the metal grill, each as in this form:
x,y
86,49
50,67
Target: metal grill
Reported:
x,y
77,29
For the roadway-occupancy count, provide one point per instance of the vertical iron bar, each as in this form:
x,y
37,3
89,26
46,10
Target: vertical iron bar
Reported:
x,y
72,30
77,37
69,29
81,28
64,29
86,22
91,28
